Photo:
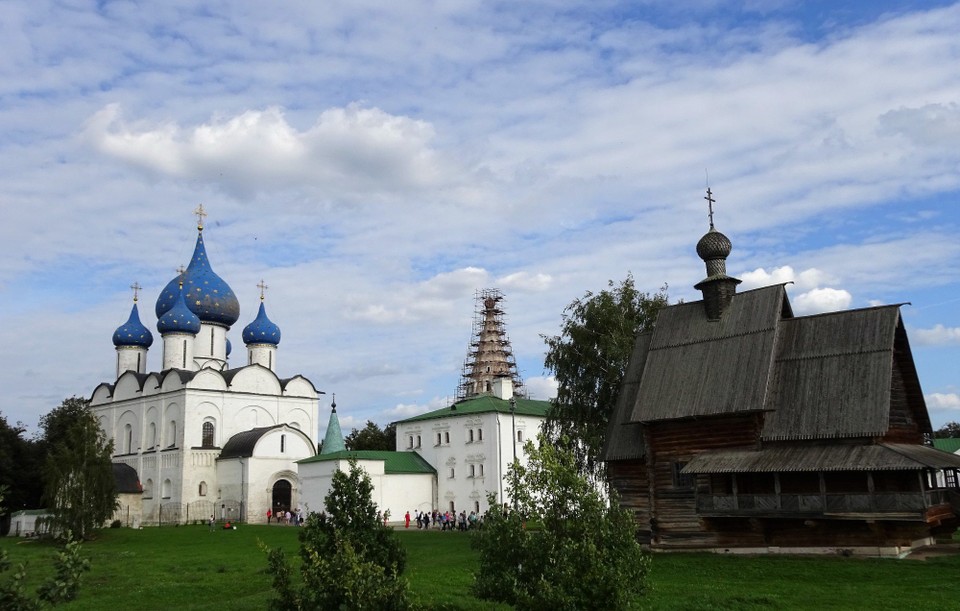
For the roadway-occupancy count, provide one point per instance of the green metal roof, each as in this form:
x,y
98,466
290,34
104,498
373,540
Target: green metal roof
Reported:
x,y
950,444
394,462
333,440
485,404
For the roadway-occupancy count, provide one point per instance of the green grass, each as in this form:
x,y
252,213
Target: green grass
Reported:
x,y
191,568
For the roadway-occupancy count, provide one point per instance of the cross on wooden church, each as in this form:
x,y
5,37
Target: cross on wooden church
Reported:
x,y
710,202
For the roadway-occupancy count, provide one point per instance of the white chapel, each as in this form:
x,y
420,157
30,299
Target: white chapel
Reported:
x,y
204,437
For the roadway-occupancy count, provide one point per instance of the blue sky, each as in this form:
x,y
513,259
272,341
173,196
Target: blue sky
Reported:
x,y
377,165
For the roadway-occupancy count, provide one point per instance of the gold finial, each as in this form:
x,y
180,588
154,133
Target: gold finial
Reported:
x,y
710,202
262,286
200,214
136,290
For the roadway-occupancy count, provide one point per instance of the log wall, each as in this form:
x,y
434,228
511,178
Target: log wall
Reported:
x,y
676,523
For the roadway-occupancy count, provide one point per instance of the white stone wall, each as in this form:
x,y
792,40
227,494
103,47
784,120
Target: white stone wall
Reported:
x,y
398,493
168,413
489,451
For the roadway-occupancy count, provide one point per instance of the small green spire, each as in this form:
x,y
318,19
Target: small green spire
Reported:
x,y
333,440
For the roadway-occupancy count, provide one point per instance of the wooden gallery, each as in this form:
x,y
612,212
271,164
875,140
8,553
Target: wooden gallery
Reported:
x,y
741,427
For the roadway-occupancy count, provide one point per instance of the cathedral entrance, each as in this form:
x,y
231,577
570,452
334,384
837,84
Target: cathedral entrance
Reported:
x,y
281,496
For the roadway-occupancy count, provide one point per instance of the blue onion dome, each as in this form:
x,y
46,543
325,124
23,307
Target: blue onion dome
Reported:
x,y
229,347
133,332
205,293
179,318
262,330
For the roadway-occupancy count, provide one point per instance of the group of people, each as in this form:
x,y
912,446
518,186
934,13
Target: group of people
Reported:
x,y
286,517
446,520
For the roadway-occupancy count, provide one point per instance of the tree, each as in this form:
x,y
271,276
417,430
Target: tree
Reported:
x,y
79,488
562,546
349,559
371,437
950,429
589,359
20,468
63,586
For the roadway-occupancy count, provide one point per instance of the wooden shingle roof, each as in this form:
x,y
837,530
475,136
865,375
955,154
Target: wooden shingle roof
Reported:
x,y
832,375
624,439
832,457
696,367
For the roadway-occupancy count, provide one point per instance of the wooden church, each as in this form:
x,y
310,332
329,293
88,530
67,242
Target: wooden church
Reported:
x,y
741,427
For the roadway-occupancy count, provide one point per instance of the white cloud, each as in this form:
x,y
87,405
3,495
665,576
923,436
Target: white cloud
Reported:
x,y
347,151
407,410
541,387
938,335
943,401
805,280
814,300
930,125
525,281
821,300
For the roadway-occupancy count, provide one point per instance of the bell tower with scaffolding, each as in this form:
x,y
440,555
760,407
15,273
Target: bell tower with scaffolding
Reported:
x,y
489,355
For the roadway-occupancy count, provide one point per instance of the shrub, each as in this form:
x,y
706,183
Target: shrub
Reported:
x,y
349,560
584,555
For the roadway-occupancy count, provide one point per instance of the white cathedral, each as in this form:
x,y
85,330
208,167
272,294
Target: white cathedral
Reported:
x,y
206,438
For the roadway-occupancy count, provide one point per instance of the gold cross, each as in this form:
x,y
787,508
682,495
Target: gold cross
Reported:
x,y
262,286
710,202
136,290
200,214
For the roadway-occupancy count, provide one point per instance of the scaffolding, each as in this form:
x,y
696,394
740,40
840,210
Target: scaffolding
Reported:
x,y
489,355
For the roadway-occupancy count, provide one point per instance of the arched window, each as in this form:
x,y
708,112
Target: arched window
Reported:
x,y
473,471
520,436
418,441
283,443
152,435
439,439
148,489
470,436
127,439
165,490
479,434
208,430
446,437
203,488
171,434
480,470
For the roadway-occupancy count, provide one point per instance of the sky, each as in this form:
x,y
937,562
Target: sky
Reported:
x,y
377,164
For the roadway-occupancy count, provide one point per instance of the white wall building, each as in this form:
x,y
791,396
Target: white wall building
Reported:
x,y
472,443
205,438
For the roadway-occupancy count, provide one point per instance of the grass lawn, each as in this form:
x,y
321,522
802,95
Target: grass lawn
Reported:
x,y
191,568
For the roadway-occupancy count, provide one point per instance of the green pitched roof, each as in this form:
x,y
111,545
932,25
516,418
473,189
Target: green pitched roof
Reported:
x,y
333,440
950,444
394,462
484,404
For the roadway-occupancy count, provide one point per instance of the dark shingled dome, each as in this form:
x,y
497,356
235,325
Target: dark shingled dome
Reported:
x,y
714,245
